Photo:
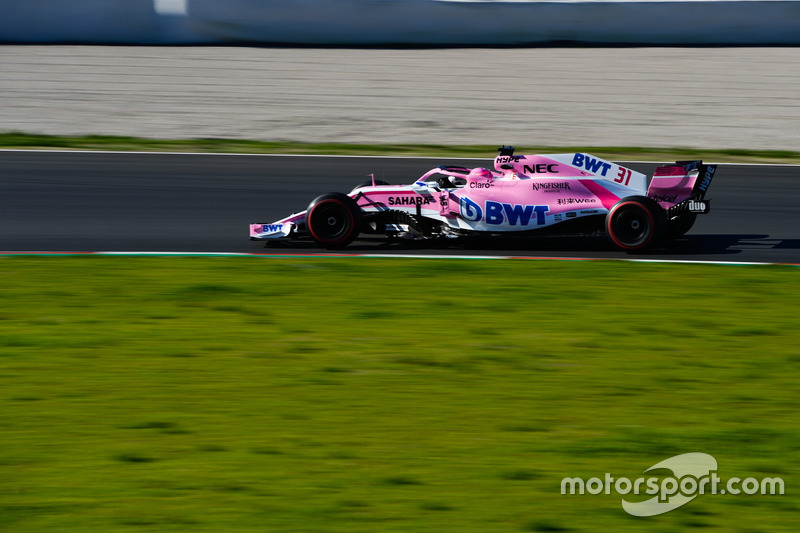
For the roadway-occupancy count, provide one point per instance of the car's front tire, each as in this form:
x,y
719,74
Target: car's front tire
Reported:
x,y
636,223
333,220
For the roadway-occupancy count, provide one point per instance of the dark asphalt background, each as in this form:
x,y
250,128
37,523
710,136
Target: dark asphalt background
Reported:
x,y
69,201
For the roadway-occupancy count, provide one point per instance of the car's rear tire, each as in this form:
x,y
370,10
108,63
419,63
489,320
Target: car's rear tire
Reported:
x,y
679,225
636,223
333,220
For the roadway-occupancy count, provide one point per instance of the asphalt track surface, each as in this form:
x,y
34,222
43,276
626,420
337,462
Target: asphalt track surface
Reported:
x,y
89,202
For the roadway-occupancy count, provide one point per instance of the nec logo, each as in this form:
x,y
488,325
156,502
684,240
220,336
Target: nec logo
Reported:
x,y
591,164
541,168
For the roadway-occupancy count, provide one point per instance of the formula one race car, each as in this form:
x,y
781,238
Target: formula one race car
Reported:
x,y
565,194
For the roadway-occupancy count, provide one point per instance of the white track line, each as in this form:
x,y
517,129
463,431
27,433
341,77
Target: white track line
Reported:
x,y
391,256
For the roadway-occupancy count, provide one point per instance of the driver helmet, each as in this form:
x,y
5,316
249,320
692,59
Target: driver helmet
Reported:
x,y
481,172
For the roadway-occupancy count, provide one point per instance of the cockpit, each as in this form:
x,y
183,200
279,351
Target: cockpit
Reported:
x,y
446,177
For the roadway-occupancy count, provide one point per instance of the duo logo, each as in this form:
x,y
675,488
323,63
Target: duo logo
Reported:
x,y
497,213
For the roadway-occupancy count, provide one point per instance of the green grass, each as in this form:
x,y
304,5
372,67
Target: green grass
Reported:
x,y
384,395
101,142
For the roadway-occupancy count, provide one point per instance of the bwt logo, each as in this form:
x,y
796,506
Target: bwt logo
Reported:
x,y
470,210
498,213
271,228
591,164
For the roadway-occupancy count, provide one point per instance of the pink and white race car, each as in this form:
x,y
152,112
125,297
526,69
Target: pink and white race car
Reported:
x,y
563,194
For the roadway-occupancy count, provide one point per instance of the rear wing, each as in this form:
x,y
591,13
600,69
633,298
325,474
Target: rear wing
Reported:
x,y
682,187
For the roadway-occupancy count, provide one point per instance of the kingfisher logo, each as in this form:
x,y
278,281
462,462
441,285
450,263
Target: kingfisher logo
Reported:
x,y
552,187
498,213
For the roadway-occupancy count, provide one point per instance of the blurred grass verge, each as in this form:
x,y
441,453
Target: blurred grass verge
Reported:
x,y
115,143
387,395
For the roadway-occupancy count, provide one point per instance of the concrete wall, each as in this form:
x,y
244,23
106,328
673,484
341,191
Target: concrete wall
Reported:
x,y
91,21
370,22
705,97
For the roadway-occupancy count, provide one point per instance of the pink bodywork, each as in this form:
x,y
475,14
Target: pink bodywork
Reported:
x,y
671,185
523,193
